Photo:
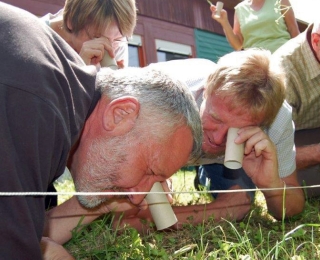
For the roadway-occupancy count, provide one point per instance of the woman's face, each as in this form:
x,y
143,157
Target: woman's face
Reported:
x,y
110,38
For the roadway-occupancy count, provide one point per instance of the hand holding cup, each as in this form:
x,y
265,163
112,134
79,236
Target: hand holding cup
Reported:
x,y
219,6
109,62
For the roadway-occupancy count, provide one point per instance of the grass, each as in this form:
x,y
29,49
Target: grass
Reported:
x,y
257,236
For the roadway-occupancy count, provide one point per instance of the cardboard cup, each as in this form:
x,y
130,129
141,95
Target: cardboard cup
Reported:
x,y
109,62
219,6
234,152
160,208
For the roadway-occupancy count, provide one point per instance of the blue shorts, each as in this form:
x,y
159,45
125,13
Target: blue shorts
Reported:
x,y
222,178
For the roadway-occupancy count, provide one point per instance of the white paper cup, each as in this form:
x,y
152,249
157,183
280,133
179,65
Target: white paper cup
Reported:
x,y
109,62
234,152
160,208
219,6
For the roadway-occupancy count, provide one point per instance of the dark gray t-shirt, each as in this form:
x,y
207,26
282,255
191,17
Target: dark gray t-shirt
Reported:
x,y
46,93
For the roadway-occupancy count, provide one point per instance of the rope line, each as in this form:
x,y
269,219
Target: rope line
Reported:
x,y
6,194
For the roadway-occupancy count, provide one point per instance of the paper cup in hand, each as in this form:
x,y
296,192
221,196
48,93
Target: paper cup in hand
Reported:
x,y
219,6
234,152
160,208
109,62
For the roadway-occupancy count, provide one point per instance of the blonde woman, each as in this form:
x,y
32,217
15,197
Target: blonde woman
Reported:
x,y
264,24
93,27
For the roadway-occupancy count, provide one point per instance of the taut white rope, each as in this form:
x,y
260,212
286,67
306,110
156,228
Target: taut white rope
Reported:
x,y
116,193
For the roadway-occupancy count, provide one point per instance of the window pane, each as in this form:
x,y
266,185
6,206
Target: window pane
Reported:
x,y
133,56
165,56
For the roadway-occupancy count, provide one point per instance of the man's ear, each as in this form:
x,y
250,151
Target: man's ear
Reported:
x,y
315,41
69,25
120,115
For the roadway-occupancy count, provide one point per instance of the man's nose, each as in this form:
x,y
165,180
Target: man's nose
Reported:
x,y
136,199
220,135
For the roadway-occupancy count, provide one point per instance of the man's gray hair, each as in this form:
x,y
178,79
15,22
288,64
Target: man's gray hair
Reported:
x,y
165,103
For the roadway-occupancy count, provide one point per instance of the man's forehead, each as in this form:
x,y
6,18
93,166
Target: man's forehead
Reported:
x,y
224,110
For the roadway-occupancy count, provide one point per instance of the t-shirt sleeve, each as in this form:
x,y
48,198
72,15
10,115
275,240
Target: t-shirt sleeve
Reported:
x,y
281,133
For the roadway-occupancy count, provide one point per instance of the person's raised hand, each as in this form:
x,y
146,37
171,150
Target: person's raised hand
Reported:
x,y
222,18
92,51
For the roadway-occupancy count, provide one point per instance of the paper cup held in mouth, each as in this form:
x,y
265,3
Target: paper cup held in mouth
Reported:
x,y
160,208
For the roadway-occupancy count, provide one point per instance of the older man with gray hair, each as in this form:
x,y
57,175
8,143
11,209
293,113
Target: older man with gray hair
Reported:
x,y
56,111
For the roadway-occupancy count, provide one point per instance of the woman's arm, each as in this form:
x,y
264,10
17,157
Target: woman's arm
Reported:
x,y
289,18
233,35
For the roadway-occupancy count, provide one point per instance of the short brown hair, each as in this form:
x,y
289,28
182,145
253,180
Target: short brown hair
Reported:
x,y
82,14
248,78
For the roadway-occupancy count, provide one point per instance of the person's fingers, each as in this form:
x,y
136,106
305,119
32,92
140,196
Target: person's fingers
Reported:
x,y
51,250
168,187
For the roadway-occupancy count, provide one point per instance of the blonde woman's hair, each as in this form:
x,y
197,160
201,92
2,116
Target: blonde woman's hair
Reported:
x,y
98,14
248,78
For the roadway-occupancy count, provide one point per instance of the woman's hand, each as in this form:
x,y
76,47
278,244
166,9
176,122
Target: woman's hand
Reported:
x,y
92,51
222,18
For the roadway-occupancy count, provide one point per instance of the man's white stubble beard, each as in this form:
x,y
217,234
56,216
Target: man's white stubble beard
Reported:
x,y
103,168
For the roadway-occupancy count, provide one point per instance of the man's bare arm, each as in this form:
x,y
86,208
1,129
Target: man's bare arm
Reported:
x,y
307,156
61,220
285,202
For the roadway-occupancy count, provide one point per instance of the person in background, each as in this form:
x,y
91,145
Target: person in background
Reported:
x,y
56,111
242,90
264,24
93,27
300,58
